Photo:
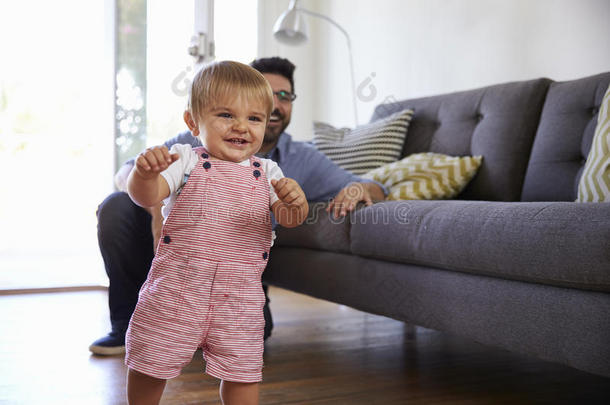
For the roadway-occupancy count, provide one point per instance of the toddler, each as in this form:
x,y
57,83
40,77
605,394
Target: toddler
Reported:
x,y
204,287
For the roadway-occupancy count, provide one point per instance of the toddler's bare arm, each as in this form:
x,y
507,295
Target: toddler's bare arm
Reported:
x,y
144,184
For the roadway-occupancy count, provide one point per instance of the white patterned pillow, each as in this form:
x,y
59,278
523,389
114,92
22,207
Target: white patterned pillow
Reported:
x,y
365,147
426,176
594,185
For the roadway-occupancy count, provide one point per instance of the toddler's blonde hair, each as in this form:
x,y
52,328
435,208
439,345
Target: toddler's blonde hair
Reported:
x,y
225,79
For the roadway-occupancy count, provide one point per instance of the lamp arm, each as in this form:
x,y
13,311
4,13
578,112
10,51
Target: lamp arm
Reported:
x,y
349,50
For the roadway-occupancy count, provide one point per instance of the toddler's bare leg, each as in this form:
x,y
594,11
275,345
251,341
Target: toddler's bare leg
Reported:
x,y
143,389
233,393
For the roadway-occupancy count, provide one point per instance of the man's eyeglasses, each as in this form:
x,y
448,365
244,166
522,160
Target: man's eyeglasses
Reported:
x,y
285,96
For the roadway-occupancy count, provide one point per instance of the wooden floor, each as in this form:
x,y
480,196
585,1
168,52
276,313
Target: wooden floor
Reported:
x,y
320,353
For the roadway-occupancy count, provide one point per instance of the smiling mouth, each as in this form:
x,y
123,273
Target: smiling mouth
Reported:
x,y
237,141
274,118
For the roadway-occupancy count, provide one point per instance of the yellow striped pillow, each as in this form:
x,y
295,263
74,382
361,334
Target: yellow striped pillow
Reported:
x,y
426,176
594,185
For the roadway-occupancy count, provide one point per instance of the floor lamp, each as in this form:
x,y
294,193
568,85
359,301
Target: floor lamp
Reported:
x,y
291,29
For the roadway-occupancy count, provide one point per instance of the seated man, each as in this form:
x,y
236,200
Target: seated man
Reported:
x,y
128,234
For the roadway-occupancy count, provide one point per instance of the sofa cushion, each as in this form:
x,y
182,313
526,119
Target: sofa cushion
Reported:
x,y
365,147
594,185
561,244
319,231
564,138
426,176
498,122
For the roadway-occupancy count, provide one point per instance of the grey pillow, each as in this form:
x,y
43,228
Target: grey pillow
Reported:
x,y
365,147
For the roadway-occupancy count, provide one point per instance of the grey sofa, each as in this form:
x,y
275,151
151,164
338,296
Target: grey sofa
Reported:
x,y
513,262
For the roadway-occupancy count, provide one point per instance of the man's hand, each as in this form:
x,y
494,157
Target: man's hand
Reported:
x,y
292,209
153,161
351,195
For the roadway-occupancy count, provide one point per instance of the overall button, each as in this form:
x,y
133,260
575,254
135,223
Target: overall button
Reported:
x,y
205,155
256,164
257,174
167,239
206,165
265,255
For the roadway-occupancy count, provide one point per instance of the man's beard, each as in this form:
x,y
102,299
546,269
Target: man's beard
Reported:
x,y
273,133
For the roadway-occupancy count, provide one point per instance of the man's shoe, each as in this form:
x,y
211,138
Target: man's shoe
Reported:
x,y
111,344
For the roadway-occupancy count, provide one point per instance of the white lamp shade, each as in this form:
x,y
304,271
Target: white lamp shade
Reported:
x,y
290,28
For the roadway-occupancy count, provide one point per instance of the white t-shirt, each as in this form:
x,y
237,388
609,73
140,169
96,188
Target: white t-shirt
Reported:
x,y
176,174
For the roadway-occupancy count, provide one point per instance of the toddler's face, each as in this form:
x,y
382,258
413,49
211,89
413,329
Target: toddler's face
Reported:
x,y
234,129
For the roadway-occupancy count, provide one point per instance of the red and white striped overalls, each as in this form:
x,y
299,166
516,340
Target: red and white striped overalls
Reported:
x,y
204,287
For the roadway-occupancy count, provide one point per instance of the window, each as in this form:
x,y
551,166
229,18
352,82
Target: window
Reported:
x,y
170,67
55,124
57,117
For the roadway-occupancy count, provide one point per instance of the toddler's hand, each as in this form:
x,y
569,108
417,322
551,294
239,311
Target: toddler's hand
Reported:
x,y
153,161
289,191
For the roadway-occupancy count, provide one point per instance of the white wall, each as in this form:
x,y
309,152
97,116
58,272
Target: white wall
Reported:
x,y
413,48
305,57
